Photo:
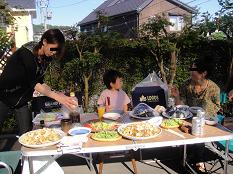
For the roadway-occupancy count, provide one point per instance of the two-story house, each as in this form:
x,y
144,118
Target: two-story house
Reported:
x,y
126,15
23,12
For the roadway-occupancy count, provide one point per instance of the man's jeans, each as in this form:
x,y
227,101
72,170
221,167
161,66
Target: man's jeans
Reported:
x,y
23,117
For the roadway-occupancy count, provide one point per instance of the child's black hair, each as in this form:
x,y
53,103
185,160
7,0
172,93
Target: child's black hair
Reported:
x,y
110,76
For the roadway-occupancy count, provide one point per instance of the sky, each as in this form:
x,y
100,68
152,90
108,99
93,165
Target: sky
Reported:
x,y
70,12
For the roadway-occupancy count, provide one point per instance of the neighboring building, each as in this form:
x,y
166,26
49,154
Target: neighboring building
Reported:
x,y
23,11
125,15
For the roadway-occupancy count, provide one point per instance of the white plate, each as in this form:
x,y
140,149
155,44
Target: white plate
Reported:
x,y
79,131
155,120
112,115
194,109
168,116
211,122
142,118
136,138
60,132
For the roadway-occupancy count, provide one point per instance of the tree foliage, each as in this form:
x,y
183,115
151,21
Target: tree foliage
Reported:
x,y
5,42
5,13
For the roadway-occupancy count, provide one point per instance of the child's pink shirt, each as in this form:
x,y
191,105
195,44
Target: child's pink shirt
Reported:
x,y
118,98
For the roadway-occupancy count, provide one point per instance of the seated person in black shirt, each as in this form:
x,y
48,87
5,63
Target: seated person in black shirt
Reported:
x,y
24,73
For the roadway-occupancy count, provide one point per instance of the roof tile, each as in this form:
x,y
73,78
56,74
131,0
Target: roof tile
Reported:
x,y
22,4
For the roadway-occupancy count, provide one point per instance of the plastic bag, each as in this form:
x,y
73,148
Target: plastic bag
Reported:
x,y
143,110
152,80
151,91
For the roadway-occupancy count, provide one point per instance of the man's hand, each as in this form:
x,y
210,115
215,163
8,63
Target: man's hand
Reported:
x,y
174,91
68,102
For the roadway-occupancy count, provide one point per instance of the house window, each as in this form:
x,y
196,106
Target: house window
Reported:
x,y
178,23
2,20
104,28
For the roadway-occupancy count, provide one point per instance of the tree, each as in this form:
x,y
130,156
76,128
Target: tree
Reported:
x,y
88,47
5,13
162,45
5,42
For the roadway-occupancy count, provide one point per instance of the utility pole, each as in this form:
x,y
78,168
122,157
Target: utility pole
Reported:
x,y
43,5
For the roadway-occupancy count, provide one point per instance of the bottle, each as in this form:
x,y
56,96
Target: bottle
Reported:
x,y
42,124
75,112
72,94
171,103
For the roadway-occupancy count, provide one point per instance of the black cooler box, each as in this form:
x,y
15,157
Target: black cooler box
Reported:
x,y
151,91
152,96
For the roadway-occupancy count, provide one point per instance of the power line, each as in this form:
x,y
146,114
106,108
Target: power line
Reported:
x,y
202,2
68,5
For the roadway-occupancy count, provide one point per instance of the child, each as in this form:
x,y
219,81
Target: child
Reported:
x,y
114,98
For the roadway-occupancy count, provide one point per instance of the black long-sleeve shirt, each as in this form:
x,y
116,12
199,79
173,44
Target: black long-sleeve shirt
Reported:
x,y
20,76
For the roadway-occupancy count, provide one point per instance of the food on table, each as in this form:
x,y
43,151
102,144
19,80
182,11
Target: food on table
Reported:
x,y
140,129
143,110
194,109
101,126
171,123
186,128
47,117
40,136
183,107
160,109
175,112
106,136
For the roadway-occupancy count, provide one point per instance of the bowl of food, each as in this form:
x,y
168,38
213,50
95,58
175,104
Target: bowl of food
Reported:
x,y
79,131
183,107
211,121
194,109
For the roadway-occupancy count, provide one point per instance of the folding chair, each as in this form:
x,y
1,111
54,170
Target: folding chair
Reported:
x,y
9,161
7,168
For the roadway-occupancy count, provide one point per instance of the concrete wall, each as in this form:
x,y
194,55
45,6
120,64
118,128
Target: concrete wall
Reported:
x,y
24,28
157,7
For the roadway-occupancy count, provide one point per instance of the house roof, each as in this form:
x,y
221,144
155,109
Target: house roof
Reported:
x,y
117,7
22,4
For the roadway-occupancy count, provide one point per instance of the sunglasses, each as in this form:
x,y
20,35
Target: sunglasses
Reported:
x,y
193,69
54,49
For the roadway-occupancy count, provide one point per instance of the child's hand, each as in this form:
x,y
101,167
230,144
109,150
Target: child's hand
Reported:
x,y
230,95
108,108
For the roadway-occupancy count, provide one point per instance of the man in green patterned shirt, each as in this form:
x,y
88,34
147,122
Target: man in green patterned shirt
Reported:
x,y
199,90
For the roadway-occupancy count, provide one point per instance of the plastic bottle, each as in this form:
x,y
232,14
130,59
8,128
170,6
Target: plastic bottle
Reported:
x,y
72,94
75,112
